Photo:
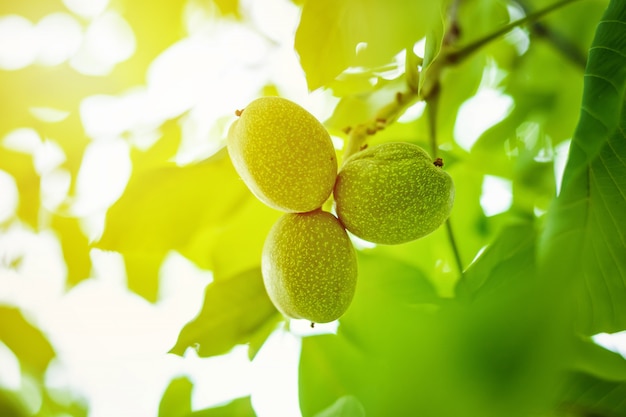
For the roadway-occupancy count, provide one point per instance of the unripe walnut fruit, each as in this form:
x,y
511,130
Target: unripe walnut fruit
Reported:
x,y
393,193
309,266
283,154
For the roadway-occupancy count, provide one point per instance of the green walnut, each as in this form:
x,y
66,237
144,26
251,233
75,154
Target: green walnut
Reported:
x,y
393,193
309,266
283,154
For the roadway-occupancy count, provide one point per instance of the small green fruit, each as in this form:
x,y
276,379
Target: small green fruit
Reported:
x,y
393,193
283,154
309,266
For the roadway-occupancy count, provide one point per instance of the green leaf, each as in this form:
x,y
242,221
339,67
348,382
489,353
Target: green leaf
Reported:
x,y
173,208
597,361
329,31
497,355
258,338
404,287
142,273
585,395
547,89
468,221
480,18
234,310
163,208
363,106
176,400
228,7
240,407
75,248
585,239
346,406
231,254
512,250
26,341
61,402
11,405
458,83
376,338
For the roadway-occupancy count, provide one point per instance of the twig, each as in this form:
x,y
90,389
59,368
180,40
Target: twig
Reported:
x,y
455,248
566,47
358,135
452,55
460,54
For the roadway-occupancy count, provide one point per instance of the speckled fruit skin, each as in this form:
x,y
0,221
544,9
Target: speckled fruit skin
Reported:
x,y
392,193
309,266
283,154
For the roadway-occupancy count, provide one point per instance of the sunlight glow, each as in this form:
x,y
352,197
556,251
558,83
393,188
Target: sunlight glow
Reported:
x,y
109,40
199,69
59,36
86,8
48,156
10,197
615,342
518,37
484,109
55,186
107,116
10,377
102,177
231,373
413,112
112,343
561,152
18,42
478,113
48,114
535,139
276,19
24,139
496,196
40,278
275,376
52,41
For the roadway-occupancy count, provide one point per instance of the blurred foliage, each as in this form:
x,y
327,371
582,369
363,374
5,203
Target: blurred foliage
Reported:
x,y
24,340
35,353
223,323
488,316
176,402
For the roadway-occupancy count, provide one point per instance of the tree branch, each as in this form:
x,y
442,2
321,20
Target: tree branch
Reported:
x,y
566,47
451,54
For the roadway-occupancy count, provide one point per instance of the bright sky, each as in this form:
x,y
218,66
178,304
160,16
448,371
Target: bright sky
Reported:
x,y
111,343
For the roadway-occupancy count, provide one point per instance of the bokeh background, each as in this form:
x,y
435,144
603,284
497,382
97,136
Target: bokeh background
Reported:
x,y
118,207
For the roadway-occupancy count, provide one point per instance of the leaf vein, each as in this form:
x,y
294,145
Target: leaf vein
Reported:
x,y
595,117
611,303
607,48
605,79
599,401
611,21
619,189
